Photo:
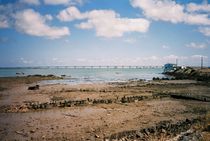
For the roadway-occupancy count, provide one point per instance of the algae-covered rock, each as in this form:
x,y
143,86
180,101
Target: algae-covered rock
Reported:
x,y
190,73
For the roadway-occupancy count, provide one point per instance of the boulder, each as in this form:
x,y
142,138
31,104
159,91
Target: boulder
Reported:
x,y
36,87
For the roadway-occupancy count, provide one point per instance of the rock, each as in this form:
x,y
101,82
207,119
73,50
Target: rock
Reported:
x,y
208,128
185,138
97,136
146,131
139,135
163,131
36,87
32,131
22,133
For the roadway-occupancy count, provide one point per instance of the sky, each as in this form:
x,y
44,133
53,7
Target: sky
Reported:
x,y
104,32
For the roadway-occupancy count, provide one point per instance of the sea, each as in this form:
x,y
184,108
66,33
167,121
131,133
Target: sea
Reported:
x,y
83,75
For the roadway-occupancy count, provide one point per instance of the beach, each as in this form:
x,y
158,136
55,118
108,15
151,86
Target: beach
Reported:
x,y
104,70
130,110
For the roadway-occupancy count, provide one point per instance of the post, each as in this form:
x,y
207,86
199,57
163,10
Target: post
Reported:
x,y
201,62
176,62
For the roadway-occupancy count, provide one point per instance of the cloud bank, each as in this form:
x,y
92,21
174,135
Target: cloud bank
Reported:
x,y
107,23
170,11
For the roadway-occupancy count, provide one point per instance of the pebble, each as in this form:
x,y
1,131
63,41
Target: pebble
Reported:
x,y
208,127
32,131
97,136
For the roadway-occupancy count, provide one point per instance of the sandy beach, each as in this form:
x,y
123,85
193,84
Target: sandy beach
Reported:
x,y
105,111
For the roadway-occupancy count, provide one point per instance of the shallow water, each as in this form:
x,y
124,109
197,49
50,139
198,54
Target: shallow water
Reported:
x,y
86,75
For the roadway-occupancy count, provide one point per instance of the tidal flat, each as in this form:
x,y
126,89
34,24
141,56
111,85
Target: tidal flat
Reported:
x,y
132,110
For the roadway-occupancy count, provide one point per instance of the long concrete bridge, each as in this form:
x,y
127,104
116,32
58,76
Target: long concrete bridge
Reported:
x,y
109,67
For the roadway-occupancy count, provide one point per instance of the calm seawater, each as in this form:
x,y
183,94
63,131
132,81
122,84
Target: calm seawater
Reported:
x,y
87,75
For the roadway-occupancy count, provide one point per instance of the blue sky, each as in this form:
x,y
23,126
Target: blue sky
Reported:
x,y
104,32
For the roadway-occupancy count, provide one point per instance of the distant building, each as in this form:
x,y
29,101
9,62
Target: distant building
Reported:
x,y
183,67
170,67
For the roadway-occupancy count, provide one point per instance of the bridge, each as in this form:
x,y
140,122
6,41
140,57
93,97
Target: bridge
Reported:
x,y
109,67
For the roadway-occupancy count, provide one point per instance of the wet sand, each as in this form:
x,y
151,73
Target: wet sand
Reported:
x,y
133,105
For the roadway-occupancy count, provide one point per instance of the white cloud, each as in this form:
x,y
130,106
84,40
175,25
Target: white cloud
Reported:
x,y
197,19
6,12
199,57
70,14
32,23
48,17
130,40
4,23
192,7
114,27
107,23
205,30
196,45
54,59
30,2
160,10
24,61
57,61
63,2
165,47
66,41
170,11
81,59
171,57
80,1
181,60
56,2
4,17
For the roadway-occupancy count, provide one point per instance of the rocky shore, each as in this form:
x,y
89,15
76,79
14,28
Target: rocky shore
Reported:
x,y
191,73
165,129
173,110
